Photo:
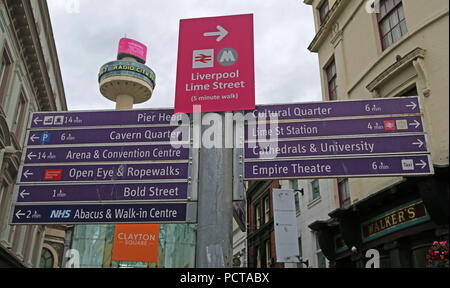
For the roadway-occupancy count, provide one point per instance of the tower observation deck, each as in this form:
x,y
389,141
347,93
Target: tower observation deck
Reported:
x,y
127,80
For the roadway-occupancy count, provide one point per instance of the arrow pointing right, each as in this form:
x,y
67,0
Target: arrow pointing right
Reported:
x,y
422,163
412,105
416,124
419,143
221,33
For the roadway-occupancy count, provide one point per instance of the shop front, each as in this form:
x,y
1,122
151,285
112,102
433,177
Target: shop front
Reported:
x,y
400,224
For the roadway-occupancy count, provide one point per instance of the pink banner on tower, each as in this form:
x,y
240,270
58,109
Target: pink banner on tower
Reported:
x,y
133,48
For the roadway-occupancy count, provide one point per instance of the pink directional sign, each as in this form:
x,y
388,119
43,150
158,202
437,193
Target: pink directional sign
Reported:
x,y
215,64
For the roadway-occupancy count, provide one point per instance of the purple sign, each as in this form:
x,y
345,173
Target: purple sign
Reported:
x,y
405,124
126,171
105,154
102,192
102,213
339,167
337,147
45,120
320,110
109,135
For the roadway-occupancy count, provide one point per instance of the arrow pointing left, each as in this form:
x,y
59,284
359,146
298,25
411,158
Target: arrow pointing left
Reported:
x,y
36,121
19,213
27,173
30,156
23,194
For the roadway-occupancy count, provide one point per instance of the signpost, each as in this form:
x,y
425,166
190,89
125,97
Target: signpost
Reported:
x,y
139,166
105,213
356,138
285,226
215,64
46,120
76,164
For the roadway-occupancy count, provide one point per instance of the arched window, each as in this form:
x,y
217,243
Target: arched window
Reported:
x,y
46,259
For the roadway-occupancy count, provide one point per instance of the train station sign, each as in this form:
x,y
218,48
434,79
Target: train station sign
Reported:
x,y
215,64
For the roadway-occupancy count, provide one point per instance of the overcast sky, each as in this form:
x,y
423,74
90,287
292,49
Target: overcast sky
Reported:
x,y
87,34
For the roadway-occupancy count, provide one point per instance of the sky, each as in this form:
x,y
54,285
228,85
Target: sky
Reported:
x,y
87,34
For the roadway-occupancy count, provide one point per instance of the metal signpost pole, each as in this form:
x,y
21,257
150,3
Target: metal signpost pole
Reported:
x,y
215,207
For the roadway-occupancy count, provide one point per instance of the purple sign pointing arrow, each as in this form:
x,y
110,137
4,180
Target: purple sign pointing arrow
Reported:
x,y
105,154
109,135
102,192
339,167
103,118
104,213
334,127
350,108
337,147
117,172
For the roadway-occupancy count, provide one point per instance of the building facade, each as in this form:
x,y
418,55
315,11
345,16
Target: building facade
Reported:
x,y
30,81
380,49
260,227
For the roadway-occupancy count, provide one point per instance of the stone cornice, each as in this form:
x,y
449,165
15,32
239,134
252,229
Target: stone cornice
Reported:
x,y
394,68
29,46
327,24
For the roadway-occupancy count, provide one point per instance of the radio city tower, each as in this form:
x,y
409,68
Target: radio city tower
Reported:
x,y
127,80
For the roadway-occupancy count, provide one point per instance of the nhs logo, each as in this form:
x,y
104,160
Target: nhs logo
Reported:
x,y
60,214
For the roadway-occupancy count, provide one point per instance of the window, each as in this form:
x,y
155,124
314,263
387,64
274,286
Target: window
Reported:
x,y
323,11
300,254
266,209
258,216
315,189
20,114
331,80
391,22
410,92
267,252
5,72
297,202
344,193
321,260
46,259
258,257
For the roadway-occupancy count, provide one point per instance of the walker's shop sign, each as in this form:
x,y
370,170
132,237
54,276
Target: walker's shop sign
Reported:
x,y
339,167
399,218
141,191
105,213
95,173
215,64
